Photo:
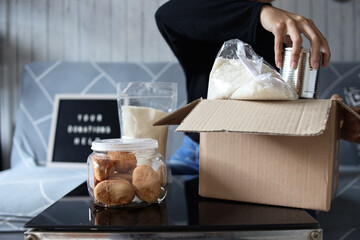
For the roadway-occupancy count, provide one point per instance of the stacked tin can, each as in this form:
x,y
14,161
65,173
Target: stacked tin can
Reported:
x,y
304,79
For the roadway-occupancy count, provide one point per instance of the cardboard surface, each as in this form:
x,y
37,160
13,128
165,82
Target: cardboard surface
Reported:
x,y
270,152
177,116
276,170
348,109
290,118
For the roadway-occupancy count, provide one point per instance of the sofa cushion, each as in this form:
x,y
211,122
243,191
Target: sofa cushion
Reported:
x,y
41,81
30,190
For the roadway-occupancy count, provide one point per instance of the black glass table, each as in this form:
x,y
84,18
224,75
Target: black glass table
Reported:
x,y
184,214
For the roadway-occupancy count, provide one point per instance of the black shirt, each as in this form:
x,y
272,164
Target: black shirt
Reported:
x,y
196,29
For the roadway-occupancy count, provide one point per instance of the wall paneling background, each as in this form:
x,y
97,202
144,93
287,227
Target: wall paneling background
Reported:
x,y
122,30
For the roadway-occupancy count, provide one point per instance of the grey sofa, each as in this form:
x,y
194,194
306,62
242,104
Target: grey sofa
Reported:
x,y
29,186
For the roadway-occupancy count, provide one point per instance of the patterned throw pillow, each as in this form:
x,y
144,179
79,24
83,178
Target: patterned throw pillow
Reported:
x,y
352,97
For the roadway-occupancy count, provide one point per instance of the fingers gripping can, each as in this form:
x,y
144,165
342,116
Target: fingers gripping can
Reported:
x,y
304,79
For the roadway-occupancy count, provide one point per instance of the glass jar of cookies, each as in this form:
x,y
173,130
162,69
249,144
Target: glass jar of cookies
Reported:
x,y
126,173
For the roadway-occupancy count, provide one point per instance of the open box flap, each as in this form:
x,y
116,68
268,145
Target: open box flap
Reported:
x,y
176,117
304,117
348,109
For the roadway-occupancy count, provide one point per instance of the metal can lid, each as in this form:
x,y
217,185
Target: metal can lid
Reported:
x,y
124,144
302,49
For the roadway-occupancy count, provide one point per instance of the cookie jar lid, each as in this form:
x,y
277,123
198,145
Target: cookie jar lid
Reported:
x,y
124,144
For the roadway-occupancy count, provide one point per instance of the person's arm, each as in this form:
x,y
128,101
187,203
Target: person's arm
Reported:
x,y
214,20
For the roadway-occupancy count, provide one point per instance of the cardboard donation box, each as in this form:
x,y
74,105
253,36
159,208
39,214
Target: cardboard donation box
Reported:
x,y
270,152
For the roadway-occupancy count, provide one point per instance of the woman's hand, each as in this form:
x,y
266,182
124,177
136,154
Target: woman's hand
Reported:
x,y
287,28
350,125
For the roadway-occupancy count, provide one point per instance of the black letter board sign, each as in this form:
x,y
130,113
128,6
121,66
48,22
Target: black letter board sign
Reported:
x,y
77,121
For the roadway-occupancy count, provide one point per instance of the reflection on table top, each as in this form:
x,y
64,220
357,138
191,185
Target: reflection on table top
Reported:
x,y
183,210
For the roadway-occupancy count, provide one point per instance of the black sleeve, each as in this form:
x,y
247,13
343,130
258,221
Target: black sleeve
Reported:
x,y
196,29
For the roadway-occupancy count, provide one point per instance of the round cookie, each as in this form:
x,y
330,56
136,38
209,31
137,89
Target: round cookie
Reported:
x,y
114,192
123,161
147,183
102,168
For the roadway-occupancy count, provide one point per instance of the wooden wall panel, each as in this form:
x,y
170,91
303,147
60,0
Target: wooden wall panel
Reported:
x,y
118,26
150,34
102,34
55,24
356,24
87,29
164,51
348,31
5,119
71,29
319,16
38,30
12,83
122,30
134,30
